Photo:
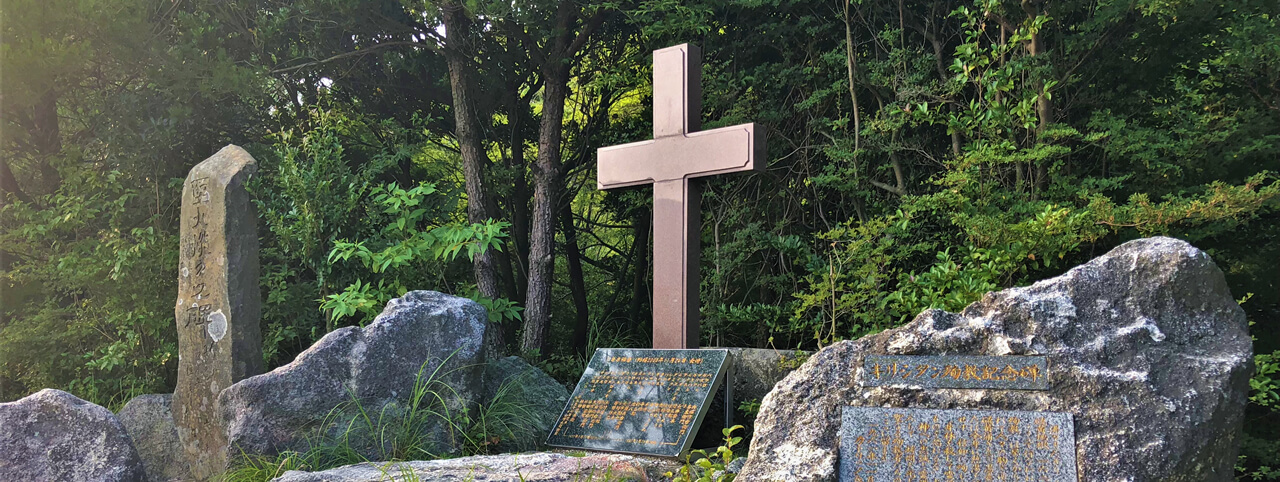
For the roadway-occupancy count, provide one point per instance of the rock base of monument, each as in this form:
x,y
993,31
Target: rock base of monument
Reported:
x,y
527,467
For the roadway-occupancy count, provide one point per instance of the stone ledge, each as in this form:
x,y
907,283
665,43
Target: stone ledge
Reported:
x,y
526,467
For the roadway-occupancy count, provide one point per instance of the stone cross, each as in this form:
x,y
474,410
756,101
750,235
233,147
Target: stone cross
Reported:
x,y
219,306
677,154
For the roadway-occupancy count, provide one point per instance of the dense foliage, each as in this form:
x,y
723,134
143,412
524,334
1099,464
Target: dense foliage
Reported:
x,y
920,154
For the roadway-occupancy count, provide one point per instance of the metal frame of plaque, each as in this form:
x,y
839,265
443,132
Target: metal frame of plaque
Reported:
x,y
956,371
640,401
879,444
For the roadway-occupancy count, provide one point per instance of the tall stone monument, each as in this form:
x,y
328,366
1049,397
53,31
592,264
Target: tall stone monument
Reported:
x,y
670,161
219,306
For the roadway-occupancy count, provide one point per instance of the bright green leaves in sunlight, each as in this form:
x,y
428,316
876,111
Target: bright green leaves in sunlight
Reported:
x,y
404,243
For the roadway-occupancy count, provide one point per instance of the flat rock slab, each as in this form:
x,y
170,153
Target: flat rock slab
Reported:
x,y
52,435
1146,347
527,467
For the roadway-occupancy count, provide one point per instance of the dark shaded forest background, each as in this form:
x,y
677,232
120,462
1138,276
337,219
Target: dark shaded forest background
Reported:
x,y
920,154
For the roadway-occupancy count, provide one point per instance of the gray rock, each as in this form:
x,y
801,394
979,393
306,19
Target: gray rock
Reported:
x,y
421,337
526,467
524,397
735,466
1147,349
52,435
219,305
149,422
755,372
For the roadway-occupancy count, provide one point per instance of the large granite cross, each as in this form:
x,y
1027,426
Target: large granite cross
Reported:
x,y
670,161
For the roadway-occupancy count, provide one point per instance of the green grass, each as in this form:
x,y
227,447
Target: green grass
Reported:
x,y
351,434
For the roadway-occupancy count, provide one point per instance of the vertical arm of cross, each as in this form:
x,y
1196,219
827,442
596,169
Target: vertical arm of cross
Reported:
x,y
677,248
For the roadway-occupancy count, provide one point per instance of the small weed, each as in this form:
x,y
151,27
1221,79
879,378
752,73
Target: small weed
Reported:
x,y
710,467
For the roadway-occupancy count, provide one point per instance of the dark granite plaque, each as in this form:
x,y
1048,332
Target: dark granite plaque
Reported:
x,y
956,371
878,444
640,401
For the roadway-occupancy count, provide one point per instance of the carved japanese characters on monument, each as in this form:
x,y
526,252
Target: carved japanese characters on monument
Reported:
x,y
219,305
677,154
957,371
956,445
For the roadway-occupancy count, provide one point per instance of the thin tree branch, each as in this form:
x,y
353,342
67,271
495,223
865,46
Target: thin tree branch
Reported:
x,y
353,53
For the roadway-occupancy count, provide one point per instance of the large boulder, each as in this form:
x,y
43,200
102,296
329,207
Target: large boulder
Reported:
x,y
52,435
424,339
526,467
149,421
1147,350
525,399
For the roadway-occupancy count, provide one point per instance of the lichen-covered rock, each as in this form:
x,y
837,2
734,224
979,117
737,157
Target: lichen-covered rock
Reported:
x,y
52,435
149,421
527,398
1147,350
526,467
755,372
420,337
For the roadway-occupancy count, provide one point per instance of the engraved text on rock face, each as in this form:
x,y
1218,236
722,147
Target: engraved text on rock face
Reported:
x,y
195,262
956,371
956,445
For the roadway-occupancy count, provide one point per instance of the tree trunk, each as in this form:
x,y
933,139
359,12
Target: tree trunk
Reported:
x,y
547,176
519,196
851,62
546,192
1044,106
640,262
47,137
9,184
458,53
582,322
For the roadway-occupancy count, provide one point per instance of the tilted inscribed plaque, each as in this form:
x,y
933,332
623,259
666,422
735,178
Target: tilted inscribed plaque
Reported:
x,y
878,444
957,371
640,401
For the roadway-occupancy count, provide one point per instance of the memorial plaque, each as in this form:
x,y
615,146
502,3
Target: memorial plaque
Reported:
x,y
878,444
640,401
957,371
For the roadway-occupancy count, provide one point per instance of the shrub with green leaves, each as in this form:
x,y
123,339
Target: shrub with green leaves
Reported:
x,y
405,247
701,466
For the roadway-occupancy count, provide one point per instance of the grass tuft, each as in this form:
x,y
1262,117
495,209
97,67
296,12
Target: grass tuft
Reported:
x,y
352,433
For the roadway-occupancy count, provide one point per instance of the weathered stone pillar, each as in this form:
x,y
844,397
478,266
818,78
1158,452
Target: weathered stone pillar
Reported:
x,y
219,306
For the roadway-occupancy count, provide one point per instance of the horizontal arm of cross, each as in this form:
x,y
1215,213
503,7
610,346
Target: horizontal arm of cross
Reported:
x,y
704,153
